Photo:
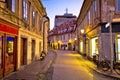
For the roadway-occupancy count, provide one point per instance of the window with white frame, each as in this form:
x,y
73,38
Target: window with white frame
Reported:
x,y
25,10
118,5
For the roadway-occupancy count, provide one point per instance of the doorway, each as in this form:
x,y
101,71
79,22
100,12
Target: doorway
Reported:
x,y
23,56
33,49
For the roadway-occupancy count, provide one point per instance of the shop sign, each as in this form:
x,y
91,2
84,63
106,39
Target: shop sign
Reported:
x,y
8,29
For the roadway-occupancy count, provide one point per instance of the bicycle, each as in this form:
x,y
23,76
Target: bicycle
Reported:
x,y
105,65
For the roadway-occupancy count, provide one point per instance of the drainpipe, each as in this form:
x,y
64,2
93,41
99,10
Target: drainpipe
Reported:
x,y
45,40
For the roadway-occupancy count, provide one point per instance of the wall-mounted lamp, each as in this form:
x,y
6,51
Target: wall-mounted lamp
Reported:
x,y
82,31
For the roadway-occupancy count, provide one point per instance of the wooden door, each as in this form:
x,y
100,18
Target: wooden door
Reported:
x,y
23,54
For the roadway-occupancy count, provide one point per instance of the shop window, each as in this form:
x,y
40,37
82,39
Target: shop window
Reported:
x,y
81,46
1,47
9,51
119,49
94,46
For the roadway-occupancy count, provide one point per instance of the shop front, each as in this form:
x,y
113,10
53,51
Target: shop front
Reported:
x,y
8,49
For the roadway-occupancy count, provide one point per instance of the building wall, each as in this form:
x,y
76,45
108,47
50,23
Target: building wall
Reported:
x,y
29,36
25,28
96,15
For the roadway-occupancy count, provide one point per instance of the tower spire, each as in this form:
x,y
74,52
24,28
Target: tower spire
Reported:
x,y
66,10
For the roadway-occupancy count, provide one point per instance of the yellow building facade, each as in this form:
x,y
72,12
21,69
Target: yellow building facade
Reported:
x,y
24,24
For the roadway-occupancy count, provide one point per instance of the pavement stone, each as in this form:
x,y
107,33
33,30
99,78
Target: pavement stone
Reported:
x,y
37,70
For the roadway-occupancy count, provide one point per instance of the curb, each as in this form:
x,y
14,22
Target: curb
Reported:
x,y
98,71
41,75
105,74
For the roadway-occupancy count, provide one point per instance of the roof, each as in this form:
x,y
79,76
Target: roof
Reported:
x,y
64,28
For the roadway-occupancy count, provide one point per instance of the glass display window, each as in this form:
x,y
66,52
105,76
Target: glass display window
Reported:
x,y
9,51
81,46
118,48
94,46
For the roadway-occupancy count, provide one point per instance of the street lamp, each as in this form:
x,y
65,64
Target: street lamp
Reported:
x,y
111,14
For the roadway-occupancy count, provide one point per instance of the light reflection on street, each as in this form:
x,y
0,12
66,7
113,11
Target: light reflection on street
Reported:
x,y
71,66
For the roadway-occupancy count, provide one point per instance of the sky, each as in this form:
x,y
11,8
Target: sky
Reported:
x,y
58,7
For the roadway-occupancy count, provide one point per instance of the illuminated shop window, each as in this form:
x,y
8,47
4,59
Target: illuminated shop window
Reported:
x,y
9,51
119,49
81,46
94,45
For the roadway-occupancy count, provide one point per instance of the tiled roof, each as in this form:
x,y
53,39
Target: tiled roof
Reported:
x,y
66,27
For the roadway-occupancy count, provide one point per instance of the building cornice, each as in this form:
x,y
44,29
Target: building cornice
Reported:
x,y
84,10
40,7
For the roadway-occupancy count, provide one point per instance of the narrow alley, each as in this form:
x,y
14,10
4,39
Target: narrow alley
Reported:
x,y
71,66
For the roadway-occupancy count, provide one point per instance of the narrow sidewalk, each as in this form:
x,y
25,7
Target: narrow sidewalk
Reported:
x,y
93,66
34,71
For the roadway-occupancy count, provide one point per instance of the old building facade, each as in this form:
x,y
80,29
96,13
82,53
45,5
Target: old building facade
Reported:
x,y
23,27
95,40
63,37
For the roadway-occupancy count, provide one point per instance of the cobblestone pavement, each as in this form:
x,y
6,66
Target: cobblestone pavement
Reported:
x,y
37,70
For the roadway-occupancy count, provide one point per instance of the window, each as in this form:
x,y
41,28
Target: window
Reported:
x,y
118,5
95,5
11,5
68,36
1,47
94,46
25,10
63,37
118,48
89,17
33,18
9,51
40,25
81,46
